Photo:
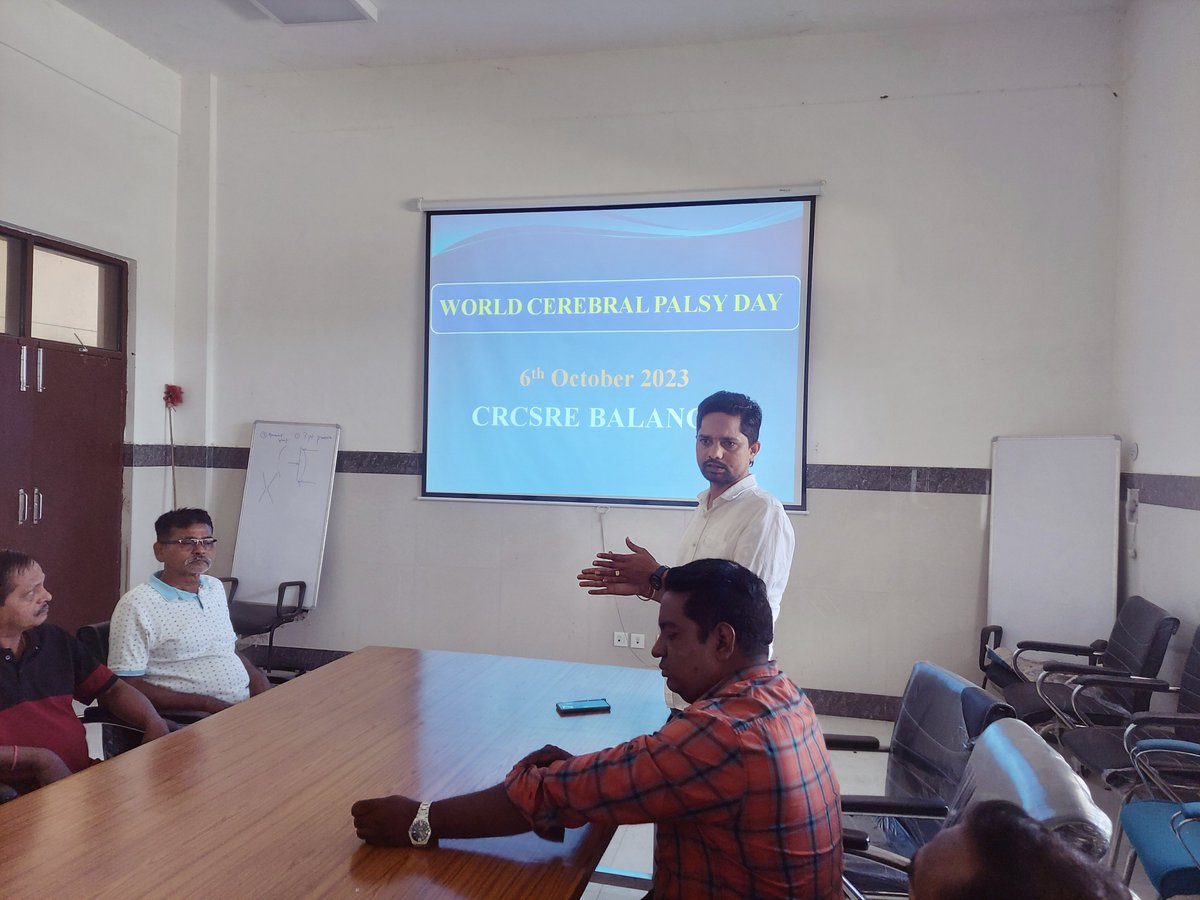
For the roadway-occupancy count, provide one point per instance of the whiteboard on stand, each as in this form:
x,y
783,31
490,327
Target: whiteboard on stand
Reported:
x,y
1052,562
285,510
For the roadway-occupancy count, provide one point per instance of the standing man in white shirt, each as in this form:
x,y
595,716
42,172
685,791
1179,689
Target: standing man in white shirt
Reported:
x,y
735,519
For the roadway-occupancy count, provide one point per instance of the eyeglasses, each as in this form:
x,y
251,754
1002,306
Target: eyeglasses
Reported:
x,y
192,542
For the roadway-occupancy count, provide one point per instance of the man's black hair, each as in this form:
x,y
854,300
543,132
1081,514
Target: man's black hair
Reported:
x,y
1020,857
12,564
749,412
719,590
184,517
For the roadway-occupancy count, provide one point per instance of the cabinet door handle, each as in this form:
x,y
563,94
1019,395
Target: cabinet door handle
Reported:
x,y
40,385
22,506
37,506
24,382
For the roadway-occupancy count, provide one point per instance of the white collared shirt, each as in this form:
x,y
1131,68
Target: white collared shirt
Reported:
x,y
748,526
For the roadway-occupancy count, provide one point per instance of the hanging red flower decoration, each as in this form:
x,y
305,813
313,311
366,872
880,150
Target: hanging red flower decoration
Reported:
x,y
173,396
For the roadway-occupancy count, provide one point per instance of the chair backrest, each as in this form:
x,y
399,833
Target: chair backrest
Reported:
x,y
1011,762
1139,637
1189,681
941,715
1138,643
95,638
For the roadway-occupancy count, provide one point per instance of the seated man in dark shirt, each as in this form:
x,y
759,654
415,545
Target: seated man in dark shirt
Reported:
x,y
738,783
42,668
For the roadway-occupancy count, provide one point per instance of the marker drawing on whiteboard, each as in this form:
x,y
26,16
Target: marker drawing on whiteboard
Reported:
x,y
266,491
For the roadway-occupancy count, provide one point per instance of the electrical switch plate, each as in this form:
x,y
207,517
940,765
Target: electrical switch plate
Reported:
x,y
620,639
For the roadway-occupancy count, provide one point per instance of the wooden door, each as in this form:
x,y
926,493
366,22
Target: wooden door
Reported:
x,y
15,412
76,474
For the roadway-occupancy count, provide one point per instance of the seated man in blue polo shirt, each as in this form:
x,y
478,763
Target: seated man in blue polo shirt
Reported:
x,y
171,637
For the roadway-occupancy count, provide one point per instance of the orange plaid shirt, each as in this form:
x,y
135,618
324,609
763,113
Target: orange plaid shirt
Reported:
x,y
738,784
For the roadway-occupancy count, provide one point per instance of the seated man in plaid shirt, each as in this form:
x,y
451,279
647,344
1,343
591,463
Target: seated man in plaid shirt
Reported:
x,y
738,783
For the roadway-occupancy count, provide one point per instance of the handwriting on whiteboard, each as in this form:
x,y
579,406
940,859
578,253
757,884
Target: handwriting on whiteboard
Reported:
x,y
299,452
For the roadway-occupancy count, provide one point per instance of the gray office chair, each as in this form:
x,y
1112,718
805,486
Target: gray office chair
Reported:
x,y
1009,762
118,736
941,717
257,618
1136,646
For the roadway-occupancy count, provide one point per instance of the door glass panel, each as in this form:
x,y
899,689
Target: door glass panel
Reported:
x,y
75,300
10,285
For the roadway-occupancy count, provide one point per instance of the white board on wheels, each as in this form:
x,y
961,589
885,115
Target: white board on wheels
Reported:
x,y
285,509
1052,563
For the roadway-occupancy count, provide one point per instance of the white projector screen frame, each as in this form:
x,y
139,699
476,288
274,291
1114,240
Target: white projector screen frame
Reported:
x,y
567,347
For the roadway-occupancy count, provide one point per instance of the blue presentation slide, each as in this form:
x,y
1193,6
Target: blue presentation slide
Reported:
x,y
568,348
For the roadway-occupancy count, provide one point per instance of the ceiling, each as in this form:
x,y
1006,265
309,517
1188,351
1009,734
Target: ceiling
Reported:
x,y
226,37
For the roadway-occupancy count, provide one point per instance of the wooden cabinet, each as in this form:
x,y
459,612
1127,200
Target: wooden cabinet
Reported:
x,y
61,470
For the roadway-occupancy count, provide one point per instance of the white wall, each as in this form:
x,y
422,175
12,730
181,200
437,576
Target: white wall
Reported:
x,y
943,311
89,146
963,287
1158,313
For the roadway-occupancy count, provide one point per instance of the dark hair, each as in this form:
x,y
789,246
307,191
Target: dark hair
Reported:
x,y
1020,857
12,564
183,517
719,590
748,412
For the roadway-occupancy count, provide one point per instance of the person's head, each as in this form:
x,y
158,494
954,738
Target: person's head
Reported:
x,y
24,600
182,563
714,619
727,427
998,852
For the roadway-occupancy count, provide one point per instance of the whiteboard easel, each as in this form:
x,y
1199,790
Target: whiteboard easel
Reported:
x,y
1052,564
285,509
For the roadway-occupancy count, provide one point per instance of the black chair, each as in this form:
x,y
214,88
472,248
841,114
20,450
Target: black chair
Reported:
x,y
1104,749
259,618
941,715
1136,646
118,736
1008,762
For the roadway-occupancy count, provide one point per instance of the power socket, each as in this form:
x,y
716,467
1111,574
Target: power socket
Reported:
x,y
637,641
620,639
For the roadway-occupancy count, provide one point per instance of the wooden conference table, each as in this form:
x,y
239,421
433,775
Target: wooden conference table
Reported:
x,y
255,801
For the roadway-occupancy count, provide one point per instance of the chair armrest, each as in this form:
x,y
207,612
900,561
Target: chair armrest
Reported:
x,y
1066,668
1155,685
855,840
854,742
989,638
98,715
1167,744
1151,717
1070,649
908,807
